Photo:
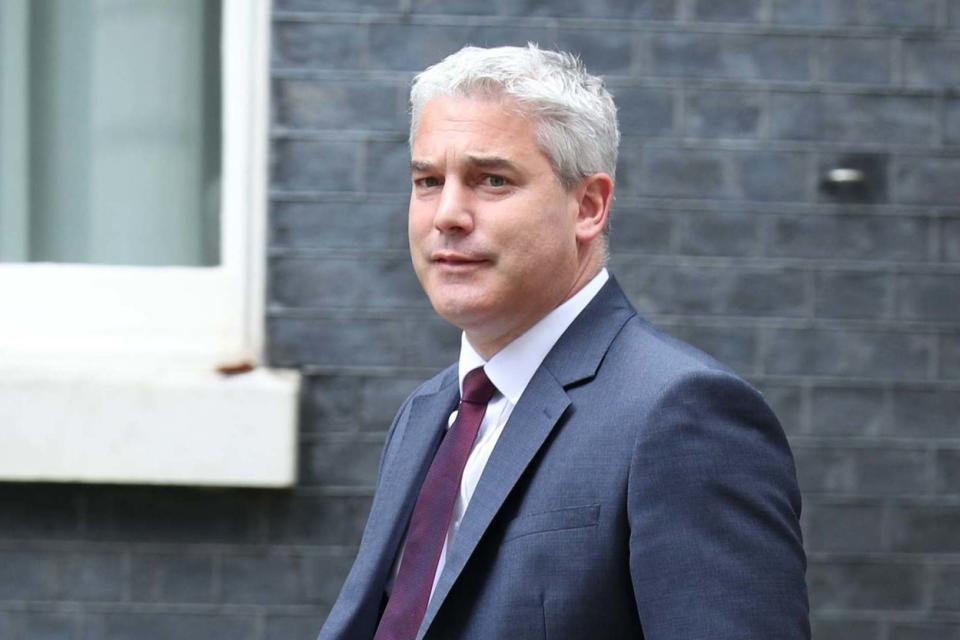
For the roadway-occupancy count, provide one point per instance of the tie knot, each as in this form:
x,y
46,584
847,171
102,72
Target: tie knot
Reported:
x,y
477,388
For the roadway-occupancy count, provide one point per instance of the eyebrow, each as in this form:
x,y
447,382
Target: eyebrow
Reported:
x,y
481,162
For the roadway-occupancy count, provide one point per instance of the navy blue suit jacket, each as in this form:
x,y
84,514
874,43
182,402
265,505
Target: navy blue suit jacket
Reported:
x,y
639,490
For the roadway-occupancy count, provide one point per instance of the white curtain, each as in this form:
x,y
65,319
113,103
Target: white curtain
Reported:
x,y
110,131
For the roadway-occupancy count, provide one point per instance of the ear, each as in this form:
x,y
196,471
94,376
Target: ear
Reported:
x,y
595,197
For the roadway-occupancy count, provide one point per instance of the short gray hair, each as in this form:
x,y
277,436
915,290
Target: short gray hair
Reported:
x,y
575,115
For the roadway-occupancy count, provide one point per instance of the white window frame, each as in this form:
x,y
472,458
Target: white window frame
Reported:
x,y
204,316
110,373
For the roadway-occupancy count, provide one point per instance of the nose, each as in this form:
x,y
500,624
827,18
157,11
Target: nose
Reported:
x,y
454,212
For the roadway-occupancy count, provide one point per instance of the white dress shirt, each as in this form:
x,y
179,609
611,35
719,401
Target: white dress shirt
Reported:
x,y
510,370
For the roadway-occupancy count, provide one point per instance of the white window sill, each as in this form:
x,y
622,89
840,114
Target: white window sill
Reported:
x,y
157,425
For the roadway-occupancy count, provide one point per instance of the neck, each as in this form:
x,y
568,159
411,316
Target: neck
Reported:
x,y
488,341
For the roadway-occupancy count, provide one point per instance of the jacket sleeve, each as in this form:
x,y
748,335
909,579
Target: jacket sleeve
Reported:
x,y
715,543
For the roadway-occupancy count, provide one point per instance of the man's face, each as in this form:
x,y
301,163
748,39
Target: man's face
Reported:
x,y
492,231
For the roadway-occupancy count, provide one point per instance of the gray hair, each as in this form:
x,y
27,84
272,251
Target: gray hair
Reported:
x,y
575,115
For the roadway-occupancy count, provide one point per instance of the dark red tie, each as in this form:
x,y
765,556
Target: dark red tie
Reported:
x,y
431,515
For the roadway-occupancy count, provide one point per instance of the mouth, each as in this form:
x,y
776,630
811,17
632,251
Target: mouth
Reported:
x,y
451,260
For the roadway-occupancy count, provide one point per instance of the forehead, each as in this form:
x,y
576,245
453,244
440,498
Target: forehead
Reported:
x,y
474,125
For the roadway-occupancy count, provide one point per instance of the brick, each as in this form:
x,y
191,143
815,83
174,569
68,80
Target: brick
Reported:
x,y
893,472
916,14
29,575
603,51
822,469
340,282
434,343
38,511
874,188
338,105
736,347
948,472
849,411
346,403
771,292
687,173
638,9
816,12
925,529
928,180
787,402
703,234
339,6
926,412
48,625
727,10
265,578
330,402
335,342
455,7
687,55
734,56
856,60
168,514
950,357
162,626
322,462
387,170
93,576
284,627
171,577
406,47
9,624
864,584
853,294
844,629
772,176
928,297
951,239
339,225
931,63
946,589
848,352
952,123
315,45
640,231
854,118
723,114
326,576
316,166
644,111
924,630
380,399
850,237
842,528
326,520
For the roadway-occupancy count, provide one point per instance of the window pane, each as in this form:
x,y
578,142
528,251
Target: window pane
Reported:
x,y
110,131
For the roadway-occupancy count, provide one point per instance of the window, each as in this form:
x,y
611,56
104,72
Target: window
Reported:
x,y
132,216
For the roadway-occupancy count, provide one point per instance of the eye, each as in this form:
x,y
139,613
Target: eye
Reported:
x,y
428,182
495,181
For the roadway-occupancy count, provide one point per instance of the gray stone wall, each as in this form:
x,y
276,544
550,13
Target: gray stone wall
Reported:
x,y
842,305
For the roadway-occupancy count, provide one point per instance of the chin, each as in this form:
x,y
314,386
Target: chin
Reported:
x,y
462,311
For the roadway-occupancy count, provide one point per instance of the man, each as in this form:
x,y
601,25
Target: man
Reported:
x,y
597,479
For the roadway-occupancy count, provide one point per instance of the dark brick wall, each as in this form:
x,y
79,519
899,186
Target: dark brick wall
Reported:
x,y
843,306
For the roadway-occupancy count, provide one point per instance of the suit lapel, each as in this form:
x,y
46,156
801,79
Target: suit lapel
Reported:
x,y
405,472
574,358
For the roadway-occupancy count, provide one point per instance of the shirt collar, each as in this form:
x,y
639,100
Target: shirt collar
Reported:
x,y
511,368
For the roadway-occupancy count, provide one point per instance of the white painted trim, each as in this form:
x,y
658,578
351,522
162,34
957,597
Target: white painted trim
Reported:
x,y
107,374
186,316
149,427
